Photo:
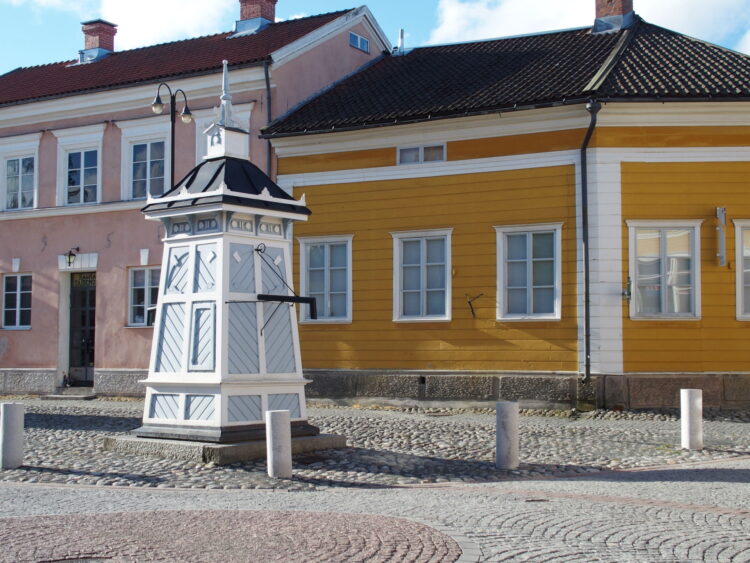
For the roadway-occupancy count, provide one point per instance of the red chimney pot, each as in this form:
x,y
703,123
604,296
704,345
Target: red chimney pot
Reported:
x,y
606,8
251,9
99,34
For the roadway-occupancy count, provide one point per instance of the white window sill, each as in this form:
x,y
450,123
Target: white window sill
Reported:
x,y
423,320
320,321
16,328
664,318
528,318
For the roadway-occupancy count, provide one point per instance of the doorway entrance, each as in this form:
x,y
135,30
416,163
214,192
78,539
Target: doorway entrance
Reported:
x,y
82,328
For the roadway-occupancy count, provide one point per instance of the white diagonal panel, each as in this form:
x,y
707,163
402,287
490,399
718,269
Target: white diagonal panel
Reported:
x,y
244,408
243,338
285,402
241,268
169,353
199,407
177,270
163,405
205,267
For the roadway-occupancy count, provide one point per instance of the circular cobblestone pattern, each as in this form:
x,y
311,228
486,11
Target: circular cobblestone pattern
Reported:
x,y
215,535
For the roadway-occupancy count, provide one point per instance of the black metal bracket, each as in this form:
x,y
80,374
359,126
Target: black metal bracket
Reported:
x,y
284,299
293,299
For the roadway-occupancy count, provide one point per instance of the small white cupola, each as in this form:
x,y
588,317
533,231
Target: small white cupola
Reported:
x,y
225,137
98,40
254,16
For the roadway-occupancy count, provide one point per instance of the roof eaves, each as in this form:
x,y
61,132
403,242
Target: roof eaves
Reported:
x,y
426,118
131,84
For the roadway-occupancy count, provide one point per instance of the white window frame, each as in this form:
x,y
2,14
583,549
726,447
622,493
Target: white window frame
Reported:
x,y
421,154
397,294
500,234
695,226
203,118
305,243
359,42
73,140
21,146
740,225
147,292
138,132
16,326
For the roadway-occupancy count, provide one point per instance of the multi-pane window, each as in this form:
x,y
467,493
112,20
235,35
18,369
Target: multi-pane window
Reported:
x,y
148,169
19,185
745,265
529,272
742,242
17,301
326,276
664,270
416,155
359,42
144,292
82,177
422,275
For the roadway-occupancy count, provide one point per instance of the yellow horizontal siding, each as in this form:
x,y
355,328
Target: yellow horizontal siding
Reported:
x,y
470,204
532,143
717,341
338,161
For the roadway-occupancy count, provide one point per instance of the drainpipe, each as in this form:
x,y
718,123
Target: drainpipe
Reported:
x,y
593,108
269,110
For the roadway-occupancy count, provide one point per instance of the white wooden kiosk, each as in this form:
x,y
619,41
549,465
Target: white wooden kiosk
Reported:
x,y
226,344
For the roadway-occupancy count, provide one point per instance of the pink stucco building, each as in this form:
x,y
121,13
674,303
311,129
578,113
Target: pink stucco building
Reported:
x,y
79,149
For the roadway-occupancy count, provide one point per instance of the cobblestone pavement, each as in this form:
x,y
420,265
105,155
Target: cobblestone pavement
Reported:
x,y
434,471
388,448
693,512
211,535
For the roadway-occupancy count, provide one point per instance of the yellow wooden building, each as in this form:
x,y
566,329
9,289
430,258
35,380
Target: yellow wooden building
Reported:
x,y
551,218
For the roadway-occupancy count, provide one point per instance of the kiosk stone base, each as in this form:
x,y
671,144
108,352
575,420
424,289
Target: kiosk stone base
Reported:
x,y
220,454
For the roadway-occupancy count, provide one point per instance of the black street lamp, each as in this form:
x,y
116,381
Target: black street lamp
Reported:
x,y
185,115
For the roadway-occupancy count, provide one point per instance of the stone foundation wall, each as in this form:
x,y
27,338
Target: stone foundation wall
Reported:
x,y
119,382
556,391
728,391
560,391
23,381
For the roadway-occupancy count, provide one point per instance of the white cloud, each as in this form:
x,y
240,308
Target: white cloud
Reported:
x,y
146,22
723,21
744,44
77,6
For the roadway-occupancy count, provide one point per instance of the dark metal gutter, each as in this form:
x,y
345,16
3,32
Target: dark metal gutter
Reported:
x,y
593,108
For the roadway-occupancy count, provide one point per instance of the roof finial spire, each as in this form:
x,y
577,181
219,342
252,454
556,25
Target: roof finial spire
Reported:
x,y
226,119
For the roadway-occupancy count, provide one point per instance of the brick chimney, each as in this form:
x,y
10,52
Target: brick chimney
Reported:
x,y
99,34
606,8
613,15
251,9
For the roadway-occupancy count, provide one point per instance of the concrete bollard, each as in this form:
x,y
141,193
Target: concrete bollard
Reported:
x,y
11,435
506,435
691,418
279,444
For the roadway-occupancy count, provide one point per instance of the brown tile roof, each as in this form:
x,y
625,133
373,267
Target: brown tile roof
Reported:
x,y
643,62
150,64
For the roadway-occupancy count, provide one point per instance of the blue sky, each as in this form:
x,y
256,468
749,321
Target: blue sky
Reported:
x,y
43,31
